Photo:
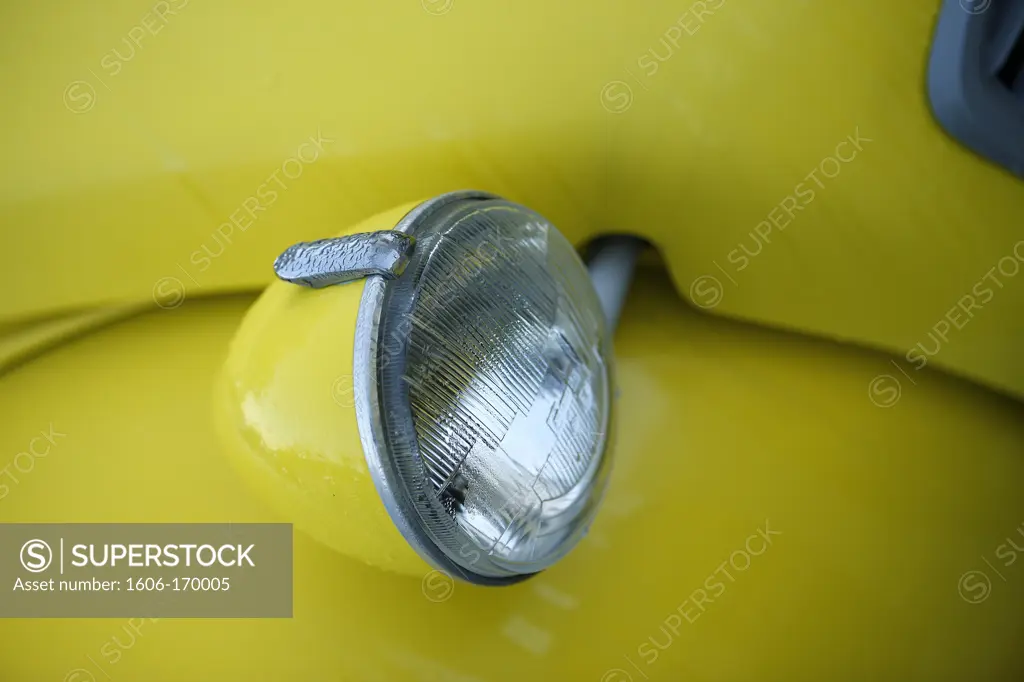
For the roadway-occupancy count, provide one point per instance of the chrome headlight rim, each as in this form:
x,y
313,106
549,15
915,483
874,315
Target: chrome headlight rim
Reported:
x,y
381,415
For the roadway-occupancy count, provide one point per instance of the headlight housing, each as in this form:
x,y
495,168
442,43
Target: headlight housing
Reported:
x,y
481,380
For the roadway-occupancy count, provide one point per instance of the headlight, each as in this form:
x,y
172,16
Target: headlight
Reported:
x,y
481,381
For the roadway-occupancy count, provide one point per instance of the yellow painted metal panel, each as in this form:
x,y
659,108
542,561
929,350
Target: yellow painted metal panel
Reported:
x,y
184,148
881,507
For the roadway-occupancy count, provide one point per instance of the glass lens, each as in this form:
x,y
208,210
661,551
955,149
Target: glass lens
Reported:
x,y
505,376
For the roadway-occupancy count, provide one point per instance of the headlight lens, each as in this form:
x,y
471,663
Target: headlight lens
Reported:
x,y
482,384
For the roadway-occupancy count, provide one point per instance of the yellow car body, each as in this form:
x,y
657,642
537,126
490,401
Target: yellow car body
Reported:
x,y
820,448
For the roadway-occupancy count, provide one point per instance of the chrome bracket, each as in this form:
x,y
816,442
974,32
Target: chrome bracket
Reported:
x,y
338,260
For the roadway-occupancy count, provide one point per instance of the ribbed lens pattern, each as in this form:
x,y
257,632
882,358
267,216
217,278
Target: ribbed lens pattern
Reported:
x,y
508,389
